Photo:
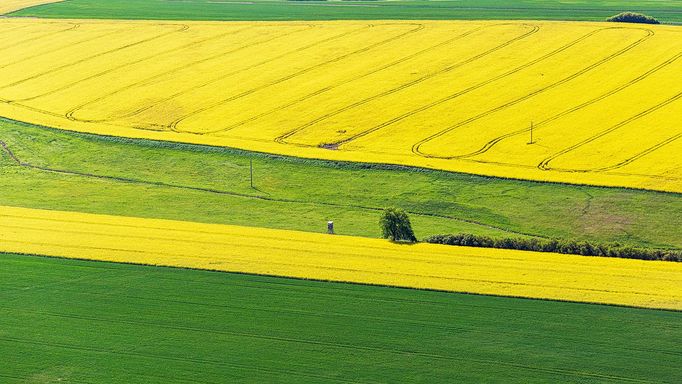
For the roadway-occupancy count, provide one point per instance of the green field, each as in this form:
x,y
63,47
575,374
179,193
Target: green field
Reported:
x,y
80,322
77,172
665,10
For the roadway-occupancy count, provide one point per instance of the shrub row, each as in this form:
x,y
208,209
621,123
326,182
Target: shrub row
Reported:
x,y
632,17
559,246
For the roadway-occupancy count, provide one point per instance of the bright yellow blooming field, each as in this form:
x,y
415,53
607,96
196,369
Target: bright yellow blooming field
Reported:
x,y
604,99
7,6
654,284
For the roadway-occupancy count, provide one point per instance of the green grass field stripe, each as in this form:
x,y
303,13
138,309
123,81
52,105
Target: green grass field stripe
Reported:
x,y
88,173
79,321
666,10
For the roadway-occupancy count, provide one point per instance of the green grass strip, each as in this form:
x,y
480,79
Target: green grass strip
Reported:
x,y
51,169
666,10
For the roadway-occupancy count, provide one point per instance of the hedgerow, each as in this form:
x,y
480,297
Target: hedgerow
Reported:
x,y
572,247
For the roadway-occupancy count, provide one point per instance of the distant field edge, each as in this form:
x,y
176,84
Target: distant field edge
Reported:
x,y
667,11
9,6
636,283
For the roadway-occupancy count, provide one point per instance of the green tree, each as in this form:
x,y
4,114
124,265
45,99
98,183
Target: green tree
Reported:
x,y
396,226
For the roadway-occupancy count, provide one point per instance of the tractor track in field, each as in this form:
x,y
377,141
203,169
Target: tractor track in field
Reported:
x,y
282,139
240,308
638,155
285,249
71,113
12,30
17,161
182,27
416,147
339,143
416,28
242,265
21,42
310,342
344,82
187,360
121,66
490,144
57,49
224,76
242,245
544,164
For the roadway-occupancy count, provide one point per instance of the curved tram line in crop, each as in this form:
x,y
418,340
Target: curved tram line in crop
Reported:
x,y
289,134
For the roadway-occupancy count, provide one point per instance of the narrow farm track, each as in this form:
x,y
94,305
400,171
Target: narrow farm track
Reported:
x,y
337,258
357,91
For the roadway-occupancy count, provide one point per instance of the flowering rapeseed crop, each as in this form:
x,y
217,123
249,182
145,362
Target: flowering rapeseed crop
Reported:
x,y
603,100
654,284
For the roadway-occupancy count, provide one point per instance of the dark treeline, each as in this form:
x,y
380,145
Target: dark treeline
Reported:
x,y
632,17
571,247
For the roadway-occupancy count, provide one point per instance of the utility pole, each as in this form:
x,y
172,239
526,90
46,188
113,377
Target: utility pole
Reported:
x,y
531,133
251,171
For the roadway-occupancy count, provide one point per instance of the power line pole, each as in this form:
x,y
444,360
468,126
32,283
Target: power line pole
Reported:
x,y
531,133
251,171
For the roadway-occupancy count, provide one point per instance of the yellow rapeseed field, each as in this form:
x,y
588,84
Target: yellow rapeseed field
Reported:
x,y
7,6
604,100
654,284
